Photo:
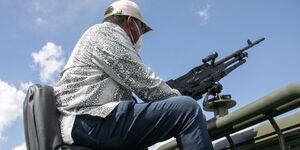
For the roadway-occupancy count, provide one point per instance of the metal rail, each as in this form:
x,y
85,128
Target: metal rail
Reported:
x,y
278,102
265,108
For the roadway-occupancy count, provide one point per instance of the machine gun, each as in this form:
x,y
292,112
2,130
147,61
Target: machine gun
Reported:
x,y
204,78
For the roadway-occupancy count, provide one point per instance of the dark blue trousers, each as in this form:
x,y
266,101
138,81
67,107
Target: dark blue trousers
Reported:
x,y
135,126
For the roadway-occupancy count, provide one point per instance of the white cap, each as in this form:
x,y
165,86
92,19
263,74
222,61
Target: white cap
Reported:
x,y
127,8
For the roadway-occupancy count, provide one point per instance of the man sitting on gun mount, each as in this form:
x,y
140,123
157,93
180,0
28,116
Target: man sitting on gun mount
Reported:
x,y
94,93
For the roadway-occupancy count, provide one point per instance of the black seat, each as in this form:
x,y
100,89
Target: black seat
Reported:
x,y
41,121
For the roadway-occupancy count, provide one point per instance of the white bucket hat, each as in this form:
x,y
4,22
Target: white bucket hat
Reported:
x,y
127,8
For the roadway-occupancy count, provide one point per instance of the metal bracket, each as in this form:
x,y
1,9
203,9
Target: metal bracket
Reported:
x,y
229,139
279,133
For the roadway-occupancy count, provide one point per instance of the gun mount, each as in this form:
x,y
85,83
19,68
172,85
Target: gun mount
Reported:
x,y
219,104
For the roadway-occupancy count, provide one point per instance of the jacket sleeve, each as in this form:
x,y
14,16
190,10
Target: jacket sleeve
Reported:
x,y
117,58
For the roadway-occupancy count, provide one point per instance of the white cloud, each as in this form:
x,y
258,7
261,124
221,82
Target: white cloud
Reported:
x,y
56,13
204,13
11,102
21,147
50,61
37,7
25,86
40,21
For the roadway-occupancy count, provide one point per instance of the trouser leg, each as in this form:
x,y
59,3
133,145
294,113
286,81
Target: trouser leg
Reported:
x,y
194,135
139,125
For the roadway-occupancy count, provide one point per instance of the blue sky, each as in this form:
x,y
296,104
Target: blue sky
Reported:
x,y
37,37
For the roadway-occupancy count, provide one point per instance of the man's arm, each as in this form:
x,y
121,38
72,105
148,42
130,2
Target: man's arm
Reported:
x,y
119,60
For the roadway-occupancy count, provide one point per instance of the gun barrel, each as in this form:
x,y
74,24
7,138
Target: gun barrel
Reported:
x,y
239,51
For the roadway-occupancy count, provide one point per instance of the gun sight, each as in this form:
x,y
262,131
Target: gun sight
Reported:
x,y
212,57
